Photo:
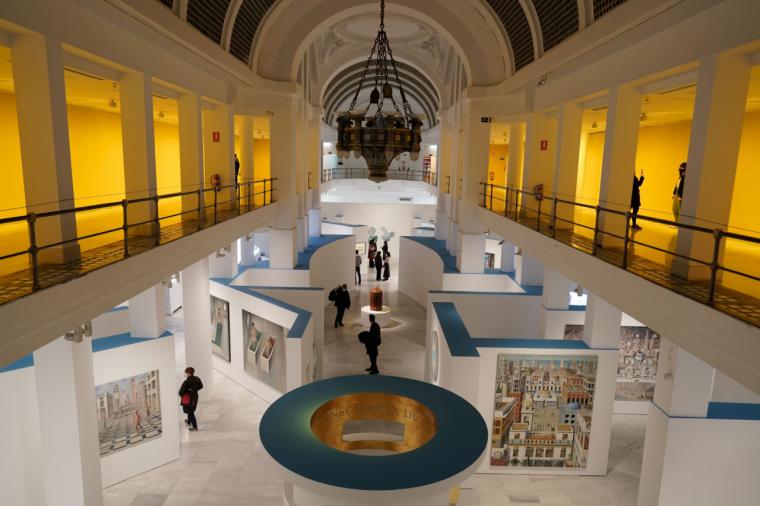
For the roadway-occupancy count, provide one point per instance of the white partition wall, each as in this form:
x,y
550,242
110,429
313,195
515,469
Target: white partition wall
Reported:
x,y
420,269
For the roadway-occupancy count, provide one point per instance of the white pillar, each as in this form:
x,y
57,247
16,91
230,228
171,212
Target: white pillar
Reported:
x,y
556,290
566,160
529,271
619,158
602,325
507,257
223,263
315,222
246,148
516,152
44,137
282,246
190,150
196,302
68,423
713,153
138,141
283,242
247,256
147,312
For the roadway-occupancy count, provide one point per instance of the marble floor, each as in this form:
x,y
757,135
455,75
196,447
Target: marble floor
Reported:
x,y
224,463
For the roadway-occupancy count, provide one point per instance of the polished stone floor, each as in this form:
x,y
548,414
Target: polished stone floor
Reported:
x,y
224,464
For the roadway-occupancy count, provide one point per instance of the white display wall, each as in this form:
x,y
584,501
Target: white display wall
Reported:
x,y
127,361
333,264
291,357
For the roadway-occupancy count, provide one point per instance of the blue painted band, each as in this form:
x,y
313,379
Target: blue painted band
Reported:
x,y
439,248
557,344
118,308
22,363
119,340
467,292
733,411
459,442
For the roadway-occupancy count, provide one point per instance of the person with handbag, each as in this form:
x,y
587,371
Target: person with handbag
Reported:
x,y
188,394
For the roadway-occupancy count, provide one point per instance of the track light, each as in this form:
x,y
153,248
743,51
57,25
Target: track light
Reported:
x,y
77,334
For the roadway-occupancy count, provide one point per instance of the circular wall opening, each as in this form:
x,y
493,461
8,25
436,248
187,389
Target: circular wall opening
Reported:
x,y
372,423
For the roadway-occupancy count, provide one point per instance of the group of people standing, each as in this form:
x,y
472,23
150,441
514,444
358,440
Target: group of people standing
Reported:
x,y
378,259
677,195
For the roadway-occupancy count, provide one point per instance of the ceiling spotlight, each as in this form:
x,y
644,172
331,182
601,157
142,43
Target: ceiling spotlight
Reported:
x,y
541,81
643,116
77,334
221,253
594,125
160,114
579,290
112,103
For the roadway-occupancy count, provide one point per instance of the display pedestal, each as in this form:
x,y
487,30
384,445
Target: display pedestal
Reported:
x,y
383,318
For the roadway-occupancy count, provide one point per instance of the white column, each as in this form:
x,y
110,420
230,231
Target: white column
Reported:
x,y
190,150
477,135
138,141
68,423
224,262
196,302
556,290
619,158
516,152
247,256
713,153
507,257
246,148
283,245
44,136
602,325
315,222
147,312
566,161
529,270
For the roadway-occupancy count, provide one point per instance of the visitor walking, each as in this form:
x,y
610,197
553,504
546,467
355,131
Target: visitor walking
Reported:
x,y
386,254
342,301
636,198
678,191
358,269
371,343
188,394
378,265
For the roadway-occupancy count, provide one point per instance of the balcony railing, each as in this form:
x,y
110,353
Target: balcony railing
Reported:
x,y
426,176
557,218
209,210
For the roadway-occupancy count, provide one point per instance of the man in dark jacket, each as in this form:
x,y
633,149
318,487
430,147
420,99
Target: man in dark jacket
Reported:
x,y
342,302
371,343
678,191
636,198
188,394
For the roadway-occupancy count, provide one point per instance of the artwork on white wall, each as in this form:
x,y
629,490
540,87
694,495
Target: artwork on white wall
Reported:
x,y
220,328
261,337
434,356
637,362
542,411
128,411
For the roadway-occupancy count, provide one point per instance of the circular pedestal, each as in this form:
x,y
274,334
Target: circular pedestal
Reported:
x,y
383,318
312,435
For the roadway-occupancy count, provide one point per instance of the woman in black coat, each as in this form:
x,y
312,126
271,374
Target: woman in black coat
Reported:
x,y
188,394
378,265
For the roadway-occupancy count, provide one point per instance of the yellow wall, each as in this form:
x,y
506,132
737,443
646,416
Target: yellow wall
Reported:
x,y
168,177
497,163
13,237
590,174
261,167
745,204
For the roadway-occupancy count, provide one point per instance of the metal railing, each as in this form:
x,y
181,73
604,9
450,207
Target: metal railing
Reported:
x,y
244,200
426,176
544,217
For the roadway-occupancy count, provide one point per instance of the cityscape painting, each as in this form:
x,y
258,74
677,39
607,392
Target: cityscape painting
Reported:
x,y
542,411
637,362
129,412
220,328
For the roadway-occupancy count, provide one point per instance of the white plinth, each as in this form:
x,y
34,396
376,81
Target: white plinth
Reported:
x,y
383,318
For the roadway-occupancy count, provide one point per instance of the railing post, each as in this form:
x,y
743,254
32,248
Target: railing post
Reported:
x,y
216,199
554,217
627,239
31,219
156,222
517,204
237,197
485,194
200,206
491,202
249,195
506,201
538,216
714,265
596,231
125,225
265,192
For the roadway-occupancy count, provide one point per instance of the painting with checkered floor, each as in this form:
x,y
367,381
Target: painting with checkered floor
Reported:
x,y
129,412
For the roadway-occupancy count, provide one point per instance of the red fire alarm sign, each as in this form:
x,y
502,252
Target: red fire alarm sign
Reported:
x,y
544,144
215,136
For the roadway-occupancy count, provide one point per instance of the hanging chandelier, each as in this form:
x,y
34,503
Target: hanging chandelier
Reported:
x,y
382,135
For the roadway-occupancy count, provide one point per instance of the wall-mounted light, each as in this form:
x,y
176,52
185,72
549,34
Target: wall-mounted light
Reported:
x,y
77,334
643,116
542,80
579,290
112,103
594,125
161,114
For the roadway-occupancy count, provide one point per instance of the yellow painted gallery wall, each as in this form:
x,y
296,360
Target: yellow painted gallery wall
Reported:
x,y
261,167
497,164
168,174
13,236
745,205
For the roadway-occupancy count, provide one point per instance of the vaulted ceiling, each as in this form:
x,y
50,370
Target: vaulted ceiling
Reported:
x,y
532,27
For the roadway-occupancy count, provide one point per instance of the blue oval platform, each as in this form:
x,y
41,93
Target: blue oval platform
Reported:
x,y
459,442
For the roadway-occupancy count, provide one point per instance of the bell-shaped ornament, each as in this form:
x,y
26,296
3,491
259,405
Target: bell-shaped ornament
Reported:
x,y
374,97
387,91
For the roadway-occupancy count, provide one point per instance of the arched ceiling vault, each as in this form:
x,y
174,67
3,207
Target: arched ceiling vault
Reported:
x,y
493,38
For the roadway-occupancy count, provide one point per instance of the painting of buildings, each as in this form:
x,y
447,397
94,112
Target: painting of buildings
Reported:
x,y
637,363
542,410
220,328
128,411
